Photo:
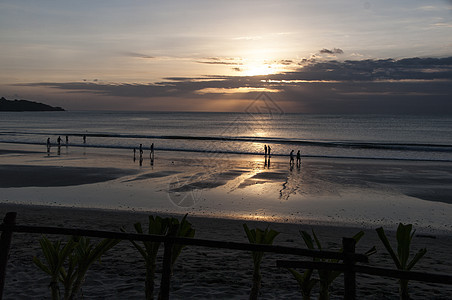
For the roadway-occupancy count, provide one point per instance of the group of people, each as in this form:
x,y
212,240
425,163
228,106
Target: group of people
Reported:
x,y
140,149
291,162
60,140
267,151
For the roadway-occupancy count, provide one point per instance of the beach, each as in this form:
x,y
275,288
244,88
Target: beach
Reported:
x,y
321,191
106,189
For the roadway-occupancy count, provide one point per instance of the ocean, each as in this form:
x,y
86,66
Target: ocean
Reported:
x,y
423,138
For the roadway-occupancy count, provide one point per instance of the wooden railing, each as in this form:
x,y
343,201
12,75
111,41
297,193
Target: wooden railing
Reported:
x,y
348,257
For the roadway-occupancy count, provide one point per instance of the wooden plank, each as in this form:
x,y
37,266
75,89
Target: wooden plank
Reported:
x,y
185,241
348,245
392,273
5,245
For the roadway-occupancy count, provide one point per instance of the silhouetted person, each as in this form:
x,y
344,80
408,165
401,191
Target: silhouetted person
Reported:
x,y
298,158
291,158
48,144
152,150
269,151
134,154
84,139
67,140
59,141
141,150
265,150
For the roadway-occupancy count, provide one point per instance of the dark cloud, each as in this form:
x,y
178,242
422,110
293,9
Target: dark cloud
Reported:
x,y
411,85
220,61
334,51
286,62
139,55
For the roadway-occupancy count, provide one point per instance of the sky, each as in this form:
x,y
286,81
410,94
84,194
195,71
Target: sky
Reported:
x,y
306,56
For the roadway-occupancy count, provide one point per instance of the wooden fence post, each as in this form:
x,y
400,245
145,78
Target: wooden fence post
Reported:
x,y
5,245
166,271
348,245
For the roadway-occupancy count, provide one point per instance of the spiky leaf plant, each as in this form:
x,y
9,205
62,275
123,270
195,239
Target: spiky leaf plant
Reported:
x,y
55,255
258,236
160,226
69,264
326,277
404,237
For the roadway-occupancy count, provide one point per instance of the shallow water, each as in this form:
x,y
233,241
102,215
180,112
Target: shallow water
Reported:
x,y
363,136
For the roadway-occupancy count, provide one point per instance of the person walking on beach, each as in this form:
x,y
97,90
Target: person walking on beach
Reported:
x,y
67,140
48,144
152,149
59,141
298,158
265,150
291,158
268,151
84,139
141,150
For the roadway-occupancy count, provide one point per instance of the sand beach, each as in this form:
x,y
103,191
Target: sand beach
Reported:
x,y
106,188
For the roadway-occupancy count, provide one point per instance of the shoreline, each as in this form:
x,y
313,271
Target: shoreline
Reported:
x,y
216,152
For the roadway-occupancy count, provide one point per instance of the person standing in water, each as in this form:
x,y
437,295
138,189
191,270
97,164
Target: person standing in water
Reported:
x,y
268,151
48,144
291,157
298,158
265,150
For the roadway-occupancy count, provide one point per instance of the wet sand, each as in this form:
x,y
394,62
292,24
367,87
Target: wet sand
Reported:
x,y
106,189
340,192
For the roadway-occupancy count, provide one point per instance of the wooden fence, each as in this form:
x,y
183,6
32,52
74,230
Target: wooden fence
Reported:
x,y
348,257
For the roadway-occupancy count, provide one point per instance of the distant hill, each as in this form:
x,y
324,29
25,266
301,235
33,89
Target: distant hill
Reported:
x,y
25,105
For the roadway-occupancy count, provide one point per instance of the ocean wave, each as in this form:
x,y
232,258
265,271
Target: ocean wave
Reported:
x,y
216,152
424,147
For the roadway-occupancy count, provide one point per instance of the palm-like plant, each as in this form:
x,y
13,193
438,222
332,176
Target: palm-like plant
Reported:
x,y
326,277
149,250
83,256
55,255
258,236
404,237
70,263
305,282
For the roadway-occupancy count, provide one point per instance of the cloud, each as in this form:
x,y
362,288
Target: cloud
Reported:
x,y
221,61
332,52
138,55
410,85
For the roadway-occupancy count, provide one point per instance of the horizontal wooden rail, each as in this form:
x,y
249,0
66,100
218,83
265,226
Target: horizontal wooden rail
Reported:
x,y
400,274
183,241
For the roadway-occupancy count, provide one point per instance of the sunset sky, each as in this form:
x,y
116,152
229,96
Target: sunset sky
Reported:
x,y
308,56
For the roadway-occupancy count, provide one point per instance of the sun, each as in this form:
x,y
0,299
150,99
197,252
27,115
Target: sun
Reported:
x,y
260,66
256,68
